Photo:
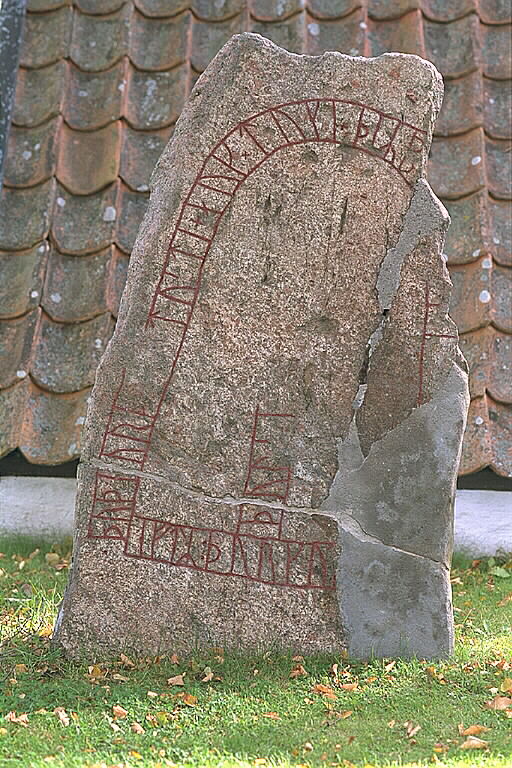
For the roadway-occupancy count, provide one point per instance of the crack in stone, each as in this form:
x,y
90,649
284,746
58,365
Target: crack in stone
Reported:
x,y
347,521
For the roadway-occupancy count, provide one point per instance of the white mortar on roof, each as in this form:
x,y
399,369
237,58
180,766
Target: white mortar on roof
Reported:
x,y
45,506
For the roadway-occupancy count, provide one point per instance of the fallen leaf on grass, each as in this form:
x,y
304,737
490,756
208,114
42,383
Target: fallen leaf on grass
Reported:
x,y
505,600
187,699
112,723
411,729
505,687
20,669
175,659
177,680
119,712
298,671
390,666
137,728
324,690
473,743
349,686
499,703
472,730
21,719
135,754
440,748
271,715
95,673
208,675
121,678
152,694
62,715
126,661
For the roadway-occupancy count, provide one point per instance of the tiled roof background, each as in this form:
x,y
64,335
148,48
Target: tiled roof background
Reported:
x,y
100,86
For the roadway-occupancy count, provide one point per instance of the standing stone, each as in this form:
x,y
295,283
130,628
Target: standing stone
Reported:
x,y
273,438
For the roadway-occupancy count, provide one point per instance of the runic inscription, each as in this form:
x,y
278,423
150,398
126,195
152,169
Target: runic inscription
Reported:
x,y
255,549
425,336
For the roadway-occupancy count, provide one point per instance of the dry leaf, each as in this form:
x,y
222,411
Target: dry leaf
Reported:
x,y
308,747
390,666
208,675
62,715
188,699
151,719
298,671
343,715
473,743
137,728
175,659
499,703
18,719
20,669
505,687
371,679
119,712
411,729
324,690
349,686
271,715
474,730
505,600
177,680
125,661
112,723
135,754
152,694
440,748
52,558
120,677
299,659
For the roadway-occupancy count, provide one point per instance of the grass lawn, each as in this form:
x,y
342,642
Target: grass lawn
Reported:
x,y
218,710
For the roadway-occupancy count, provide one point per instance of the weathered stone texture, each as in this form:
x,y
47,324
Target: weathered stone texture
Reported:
x,y
273,437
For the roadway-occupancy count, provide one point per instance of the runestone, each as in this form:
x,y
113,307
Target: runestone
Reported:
x,y
272,441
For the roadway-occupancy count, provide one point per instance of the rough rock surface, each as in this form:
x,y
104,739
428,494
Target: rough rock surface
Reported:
x,y
274,433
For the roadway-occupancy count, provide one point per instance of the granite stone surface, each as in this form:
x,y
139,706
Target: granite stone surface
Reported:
x,y
273,437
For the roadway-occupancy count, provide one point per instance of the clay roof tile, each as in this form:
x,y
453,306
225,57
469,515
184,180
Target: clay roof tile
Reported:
x,y
495,42
46,37
453,47
89,160
441,10
288,34
85,223
265,10
391,9
158,44
500,419
499,167
16,338
22,280
140,151
94,99
161,8
99,7
77,287
31,154
345,35
133,207
66,355
334,9
99,42
38,94
155,99
495,11
404,34
501,216
208,11
497,103
462,105
26,215
457,164
208,39
12,409
477,451
62,416
467,237
502,298
37,6
470,305
476,348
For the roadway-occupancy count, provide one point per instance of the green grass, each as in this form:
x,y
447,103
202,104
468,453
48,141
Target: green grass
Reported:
x,y
222,723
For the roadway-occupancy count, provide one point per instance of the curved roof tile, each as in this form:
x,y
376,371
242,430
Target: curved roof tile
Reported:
x,y
104,82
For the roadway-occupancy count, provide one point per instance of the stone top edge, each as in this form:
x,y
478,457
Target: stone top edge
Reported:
x,y
252,39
